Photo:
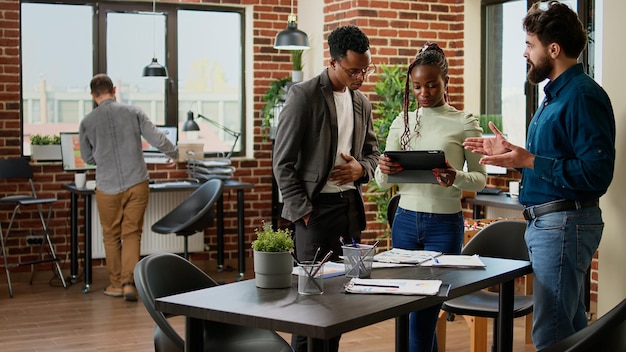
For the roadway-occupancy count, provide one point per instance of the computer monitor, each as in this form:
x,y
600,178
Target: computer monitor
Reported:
x,y
70,153
171,132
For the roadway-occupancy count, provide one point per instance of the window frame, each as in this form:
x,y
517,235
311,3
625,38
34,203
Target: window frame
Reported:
x,y
170,10
531,91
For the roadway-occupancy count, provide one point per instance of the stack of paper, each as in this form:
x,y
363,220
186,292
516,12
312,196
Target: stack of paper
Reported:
x,y
394,286
405,256
455,261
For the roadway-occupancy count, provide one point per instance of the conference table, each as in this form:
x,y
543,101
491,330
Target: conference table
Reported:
x,y
335,312
87,193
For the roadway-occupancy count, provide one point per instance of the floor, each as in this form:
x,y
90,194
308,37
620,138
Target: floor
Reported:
x,y
45,317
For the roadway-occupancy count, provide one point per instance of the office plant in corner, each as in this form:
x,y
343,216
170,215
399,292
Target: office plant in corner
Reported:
x,y
273,263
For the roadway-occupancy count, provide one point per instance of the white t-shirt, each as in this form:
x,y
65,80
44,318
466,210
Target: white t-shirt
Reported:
x,y
345,132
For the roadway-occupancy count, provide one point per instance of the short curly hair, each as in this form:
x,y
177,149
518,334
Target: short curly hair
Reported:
x,y
345,38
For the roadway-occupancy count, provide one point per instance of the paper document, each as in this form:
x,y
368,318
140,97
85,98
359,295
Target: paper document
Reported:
x,y
455,261
394,286
405,256
331,269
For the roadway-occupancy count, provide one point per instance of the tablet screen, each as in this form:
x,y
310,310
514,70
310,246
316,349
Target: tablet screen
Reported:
x,y
417,164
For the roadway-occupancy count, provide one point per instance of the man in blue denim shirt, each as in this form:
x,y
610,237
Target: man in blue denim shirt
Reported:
x,y
567,165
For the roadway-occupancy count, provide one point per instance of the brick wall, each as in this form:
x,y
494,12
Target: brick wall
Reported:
x,y
397,29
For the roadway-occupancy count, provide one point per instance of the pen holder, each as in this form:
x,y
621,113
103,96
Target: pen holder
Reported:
x,y
310,281
358,260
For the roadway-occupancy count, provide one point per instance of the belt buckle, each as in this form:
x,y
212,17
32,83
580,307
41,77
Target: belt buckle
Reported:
x,y
528,213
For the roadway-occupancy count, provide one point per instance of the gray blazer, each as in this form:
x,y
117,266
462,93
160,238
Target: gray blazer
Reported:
x,y
306,144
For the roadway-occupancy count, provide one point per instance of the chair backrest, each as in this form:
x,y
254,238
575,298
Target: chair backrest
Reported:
x,y
164,274
17,168
392,206
500,239
191,215
608,333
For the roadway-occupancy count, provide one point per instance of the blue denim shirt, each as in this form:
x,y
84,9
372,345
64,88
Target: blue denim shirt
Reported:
x,y
572,136
110,137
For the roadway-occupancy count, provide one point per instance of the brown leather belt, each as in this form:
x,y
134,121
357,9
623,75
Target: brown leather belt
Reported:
x,y
531,213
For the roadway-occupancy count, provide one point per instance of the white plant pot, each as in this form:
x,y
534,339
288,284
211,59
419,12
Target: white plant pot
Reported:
x,y
297,76
50,152
273,269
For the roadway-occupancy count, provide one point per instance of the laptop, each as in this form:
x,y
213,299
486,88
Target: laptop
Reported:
x,y
418,165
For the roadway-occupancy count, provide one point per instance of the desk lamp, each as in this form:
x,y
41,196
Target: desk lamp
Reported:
x,y
191,125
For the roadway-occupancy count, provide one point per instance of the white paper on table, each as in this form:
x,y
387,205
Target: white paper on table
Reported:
x,y
394,286
455,261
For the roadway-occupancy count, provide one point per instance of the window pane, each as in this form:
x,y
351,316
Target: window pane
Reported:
x,y
505,68
209,67
57,65
132,40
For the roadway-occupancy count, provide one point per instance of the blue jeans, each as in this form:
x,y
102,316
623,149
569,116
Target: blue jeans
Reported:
x,y
435,232
561,247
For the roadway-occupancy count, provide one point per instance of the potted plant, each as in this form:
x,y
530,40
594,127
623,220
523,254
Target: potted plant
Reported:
x,y
390,89
273,98
296,60
273,263
45,147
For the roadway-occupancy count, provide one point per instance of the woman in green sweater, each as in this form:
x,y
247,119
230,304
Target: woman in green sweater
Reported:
x,y
429,216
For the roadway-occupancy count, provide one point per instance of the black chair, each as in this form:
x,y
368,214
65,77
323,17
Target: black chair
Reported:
x,y
165,274
192,215
392,206
20,169
608,333
500,239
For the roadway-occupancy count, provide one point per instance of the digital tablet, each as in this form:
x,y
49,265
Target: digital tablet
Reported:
x,y
418,165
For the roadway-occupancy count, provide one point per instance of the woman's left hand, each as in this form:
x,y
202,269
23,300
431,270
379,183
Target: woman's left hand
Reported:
x,y
445,176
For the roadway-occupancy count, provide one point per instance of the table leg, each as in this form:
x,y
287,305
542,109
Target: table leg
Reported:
x,y
220,233
241,233
477,209
87,244
73,237
505,317
194,333
402,333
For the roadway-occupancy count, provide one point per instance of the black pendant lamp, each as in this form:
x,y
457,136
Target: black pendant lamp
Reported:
x,y
154,69
291,38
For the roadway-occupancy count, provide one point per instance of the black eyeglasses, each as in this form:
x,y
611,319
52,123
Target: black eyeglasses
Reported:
x,y
355,72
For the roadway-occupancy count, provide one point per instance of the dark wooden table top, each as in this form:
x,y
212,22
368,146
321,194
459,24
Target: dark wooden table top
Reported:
x,y
334,312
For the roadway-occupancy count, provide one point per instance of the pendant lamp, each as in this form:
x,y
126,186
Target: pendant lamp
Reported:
x,y
154,69
291,38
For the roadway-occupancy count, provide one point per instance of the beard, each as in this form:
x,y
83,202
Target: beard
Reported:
x,y
539,71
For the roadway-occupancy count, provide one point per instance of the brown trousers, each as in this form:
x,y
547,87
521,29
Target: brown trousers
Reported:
x,y
121,217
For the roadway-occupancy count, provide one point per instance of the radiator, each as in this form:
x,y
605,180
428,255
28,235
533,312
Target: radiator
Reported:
x,y
160,204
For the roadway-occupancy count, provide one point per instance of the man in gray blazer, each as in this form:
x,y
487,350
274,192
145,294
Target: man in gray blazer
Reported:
x,y
325,148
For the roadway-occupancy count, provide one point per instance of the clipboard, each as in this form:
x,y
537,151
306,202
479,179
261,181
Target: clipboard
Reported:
x,y
417,164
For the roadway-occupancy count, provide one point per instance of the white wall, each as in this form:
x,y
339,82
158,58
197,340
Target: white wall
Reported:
x,y
611,274
311,20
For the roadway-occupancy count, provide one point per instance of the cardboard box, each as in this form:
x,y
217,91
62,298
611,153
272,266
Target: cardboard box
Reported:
x,y
188,150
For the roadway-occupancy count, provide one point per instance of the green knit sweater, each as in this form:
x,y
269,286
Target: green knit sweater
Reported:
x,y
441,128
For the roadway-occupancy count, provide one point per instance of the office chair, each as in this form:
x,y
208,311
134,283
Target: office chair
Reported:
x,y
500,239
193,214
608,333
20,169
392,206
165,274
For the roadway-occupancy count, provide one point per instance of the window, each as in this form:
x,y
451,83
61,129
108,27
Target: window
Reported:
x,y
507,96
64,45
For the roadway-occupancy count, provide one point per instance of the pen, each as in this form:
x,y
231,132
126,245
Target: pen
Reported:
x,y
354,243
324,260
435,260
374,285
